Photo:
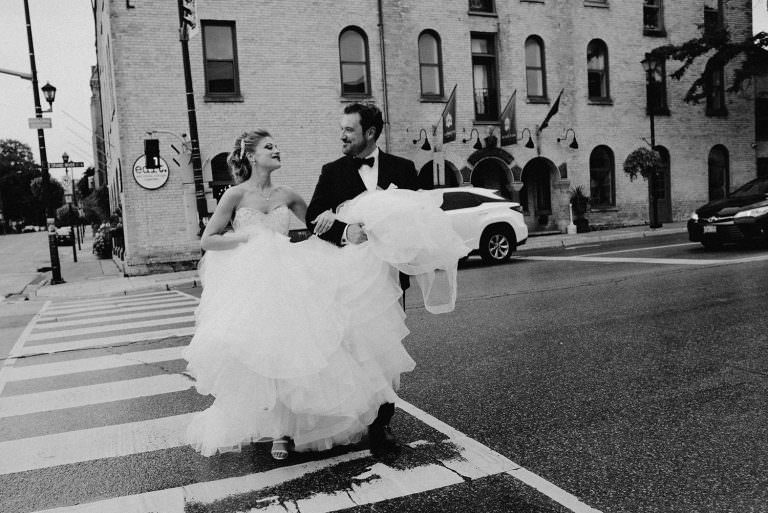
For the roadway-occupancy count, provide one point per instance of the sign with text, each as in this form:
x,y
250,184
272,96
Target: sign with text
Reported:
x,y
39,123
150,178
66,164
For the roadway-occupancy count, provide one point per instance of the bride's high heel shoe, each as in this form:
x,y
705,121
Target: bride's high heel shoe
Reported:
x,y
279,449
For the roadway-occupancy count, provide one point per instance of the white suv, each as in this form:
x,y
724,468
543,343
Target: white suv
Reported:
x,y
490,224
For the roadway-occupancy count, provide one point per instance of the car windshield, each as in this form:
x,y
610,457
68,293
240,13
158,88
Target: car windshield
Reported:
x,y
753,188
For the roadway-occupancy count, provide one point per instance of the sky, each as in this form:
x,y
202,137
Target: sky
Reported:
x,y
63,36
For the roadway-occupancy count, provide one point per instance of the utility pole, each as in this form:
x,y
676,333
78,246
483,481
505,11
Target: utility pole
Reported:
x,y
187,21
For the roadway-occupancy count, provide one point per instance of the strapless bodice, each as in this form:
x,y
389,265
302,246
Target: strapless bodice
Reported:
x,y
277,220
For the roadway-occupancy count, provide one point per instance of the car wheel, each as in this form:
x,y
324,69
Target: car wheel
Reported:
x,y
712,244
497,244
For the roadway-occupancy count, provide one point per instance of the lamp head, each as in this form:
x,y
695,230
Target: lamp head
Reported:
x,y
49,92
478,145
574,145
426,146
529,144
64,157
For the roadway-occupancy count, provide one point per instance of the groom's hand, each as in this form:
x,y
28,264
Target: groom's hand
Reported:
x,y
324,222
356,234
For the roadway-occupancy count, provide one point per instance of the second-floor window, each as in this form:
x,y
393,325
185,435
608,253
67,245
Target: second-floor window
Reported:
x,y
353,55
481,5
761,118
653,21
430,65
220,57
713,16
597,71
714,87
484,77
535,76
656,89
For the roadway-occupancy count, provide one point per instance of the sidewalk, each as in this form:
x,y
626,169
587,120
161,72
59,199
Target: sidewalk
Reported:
x,y
91,276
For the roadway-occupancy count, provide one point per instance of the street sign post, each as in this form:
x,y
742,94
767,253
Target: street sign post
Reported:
x,y
39,123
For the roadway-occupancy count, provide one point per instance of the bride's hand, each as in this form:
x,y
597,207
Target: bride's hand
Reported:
x,y
323,222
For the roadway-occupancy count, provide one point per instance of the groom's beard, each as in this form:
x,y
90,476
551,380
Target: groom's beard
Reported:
x,y
354,149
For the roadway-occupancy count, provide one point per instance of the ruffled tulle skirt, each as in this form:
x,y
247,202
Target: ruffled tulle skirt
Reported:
x,y
300,340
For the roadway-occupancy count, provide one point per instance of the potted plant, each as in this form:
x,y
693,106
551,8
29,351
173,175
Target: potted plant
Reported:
x,y
642,161
579,206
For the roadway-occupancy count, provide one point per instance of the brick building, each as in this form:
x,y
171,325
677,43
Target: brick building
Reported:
x,y
291,65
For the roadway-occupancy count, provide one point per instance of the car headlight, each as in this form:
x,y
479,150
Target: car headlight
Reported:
x,y
753,212
694,217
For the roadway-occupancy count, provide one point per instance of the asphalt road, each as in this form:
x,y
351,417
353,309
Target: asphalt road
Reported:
x,y
630,374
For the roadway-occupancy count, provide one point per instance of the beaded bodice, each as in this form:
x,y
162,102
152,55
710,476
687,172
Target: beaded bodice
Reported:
x,y
277,220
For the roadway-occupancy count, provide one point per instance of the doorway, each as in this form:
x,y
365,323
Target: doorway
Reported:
x,y
491,173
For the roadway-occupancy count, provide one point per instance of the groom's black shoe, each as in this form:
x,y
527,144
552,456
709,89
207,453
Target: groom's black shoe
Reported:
x,y
382,441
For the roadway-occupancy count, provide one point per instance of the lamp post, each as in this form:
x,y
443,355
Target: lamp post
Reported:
x,y
650,65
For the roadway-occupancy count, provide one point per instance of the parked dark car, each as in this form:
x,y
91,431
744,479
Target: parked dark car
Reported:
x,y
741,217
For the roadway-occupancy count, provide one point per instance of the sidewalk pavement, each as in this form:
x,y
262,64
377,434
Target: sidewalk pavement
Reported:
x,y
91,276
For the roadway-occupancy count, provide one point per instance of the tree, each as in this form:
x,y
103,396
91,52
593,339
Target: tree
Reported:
x,y
17,170
83,185
55,194
717,47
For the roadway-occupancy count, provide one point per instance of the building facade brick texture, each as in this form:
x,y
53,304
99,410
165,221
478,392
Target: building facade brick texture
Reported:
x,y
289,78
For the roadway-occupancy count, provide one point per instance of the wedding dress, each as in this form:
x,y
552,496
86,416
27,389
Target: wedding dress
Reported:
x,y
304,339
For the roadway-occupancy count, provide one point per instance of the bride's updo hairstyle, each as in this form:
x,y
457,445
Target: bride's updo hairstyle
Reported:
x,y
246,143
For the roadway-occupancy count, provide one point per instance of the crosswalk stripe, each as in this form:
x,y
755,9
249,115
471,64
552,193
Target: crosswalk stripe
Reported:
x,y
61,399
175,303
75,303
92,444
112,361
107,307
190,310
105,341
51,335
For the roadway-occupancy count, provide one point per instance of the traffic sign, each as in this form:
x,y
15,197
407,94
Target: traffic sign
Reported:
x,y
39,123
66,164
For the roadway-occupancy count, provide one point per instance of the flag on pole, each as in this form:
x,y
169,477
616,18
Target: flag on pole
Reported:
x,y
552,112
507,124
448,118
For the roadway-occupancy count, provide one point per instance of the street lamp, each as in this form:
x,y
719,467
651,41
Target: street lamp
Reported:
x,y
426,146
49,92
650,65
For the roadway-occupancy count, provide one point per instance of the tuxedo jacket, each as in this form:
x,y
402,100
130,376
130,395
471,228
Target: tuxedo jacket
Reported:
x,y
340,181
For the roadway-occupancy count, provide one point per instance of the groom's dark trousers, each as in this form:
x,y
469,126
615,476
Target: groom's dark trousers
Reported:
x,y
340,181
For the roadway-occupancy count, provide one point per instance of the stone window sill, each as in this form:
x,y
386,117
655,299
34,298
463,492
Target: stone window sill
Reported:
x,y
600,101
229,98
596,3
537,99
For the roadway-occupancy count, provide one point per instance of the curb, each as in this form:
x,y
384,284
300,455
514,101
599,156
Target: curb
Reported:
x,y
556,241
119,291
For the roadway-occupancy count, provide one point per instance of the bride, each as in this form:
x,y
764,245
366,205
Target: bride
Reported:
x,y
299,343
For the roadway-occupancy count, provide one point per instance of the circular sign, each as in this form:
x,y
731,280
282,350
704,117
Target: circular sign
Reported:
x,y
150,178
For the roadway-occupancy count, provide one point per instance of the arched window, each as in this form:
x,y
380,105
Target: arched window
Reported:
x,y
535,75
597,70
430,64
718,172
222,178
353,55
602,171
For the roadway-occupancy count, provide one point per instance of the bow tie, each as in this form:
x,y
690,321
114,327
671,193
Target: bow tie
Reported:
x,y
358,162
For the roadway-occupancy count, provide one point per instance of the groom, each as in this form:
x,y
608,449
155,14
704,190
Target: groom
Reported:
x,y
363,167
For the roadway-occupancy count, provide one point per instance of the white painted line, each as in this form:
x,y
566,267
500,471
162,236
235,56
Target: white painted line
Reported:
x,y
178,302
106,341
52,400
8,363
114,300
93,444
72,332
97,363
116,318
639,249
545,487
665,261
109,307
173,500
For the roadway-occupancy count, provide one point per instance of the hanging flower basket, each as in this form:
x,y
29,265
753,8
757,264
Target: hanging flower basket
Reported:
x,y
643,162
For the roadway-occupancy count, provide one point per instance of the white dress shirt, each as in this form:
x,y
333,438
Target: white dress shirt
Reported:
x,y
370,175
